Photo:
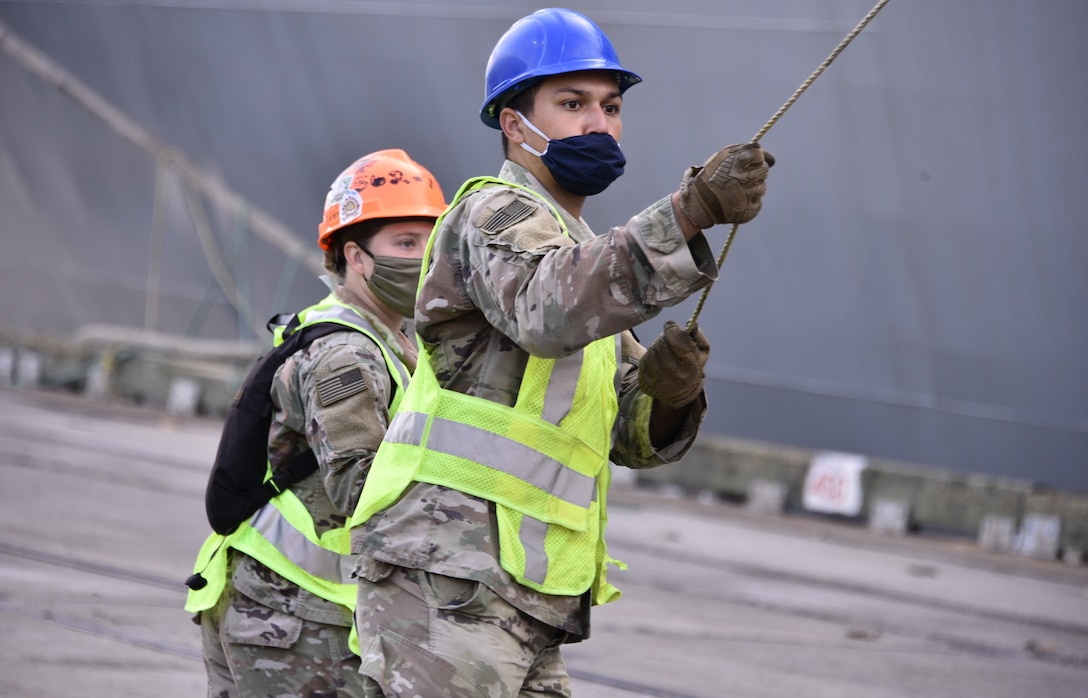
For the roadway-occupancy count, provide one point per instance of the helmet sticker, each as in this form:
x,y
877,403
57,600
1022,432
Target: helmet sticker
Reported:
x,y
336,191
351,206
365,178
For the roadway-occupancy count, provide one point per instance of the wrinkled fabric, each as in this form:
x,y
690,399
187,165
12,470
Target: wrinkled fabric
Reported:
x,y
431,635
394,281
344,432
497,293
585,164
344,436
253,650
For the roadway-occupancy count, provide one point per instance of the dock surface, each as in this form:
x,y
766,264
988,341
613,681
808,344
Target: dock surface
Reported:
x,y
102,512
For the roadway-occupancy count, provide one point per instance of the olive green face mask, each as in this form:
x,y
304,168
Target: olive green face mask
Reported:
x,y
394,282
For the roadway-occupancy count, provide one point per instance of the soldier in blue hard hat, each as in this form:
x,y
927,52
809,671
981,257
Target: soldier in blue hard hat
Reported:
x,y
480,529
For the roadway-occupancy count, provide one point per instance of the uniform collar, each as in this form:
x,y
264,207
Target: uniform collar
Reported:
x,y
516,174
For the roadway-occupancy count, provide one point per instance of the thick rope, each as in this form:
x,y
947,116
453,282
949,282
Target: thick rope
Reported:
x,y
771,122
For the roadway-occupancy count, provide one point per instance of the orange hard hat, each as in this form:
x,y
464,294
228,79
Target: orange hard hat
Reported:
x,y
384,184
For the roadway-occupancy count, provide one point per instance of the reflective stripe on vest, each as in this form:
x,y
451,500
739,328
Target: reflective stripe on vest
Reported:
x,y
282,535
481,446
543,462
311,557
518,459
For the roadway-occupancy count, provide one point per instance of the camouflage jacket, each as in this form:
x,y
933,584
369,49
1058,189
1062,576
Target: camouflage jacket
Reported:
x,y
344,435
506,283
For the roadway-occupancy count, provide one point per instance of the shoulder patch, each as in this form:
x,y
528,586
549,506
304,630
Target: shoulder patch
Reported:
x,y
336,388
507,216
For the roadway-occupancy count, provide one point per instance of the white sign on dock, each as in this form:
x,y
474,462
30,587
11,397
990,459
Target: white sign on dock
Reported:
x,y
833,483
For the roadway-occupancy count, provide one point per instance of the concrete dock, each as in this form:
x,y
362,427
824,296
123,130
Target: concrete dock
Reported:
x,y
101,514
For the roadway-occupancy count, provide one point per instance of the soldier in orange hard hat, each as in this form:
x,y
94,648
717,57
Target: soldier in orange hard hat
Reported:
x,y
273,591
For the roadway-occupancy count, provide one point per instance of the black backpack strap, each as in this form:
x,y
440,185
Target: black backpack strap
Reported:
x,y
301,466
288,321
236,486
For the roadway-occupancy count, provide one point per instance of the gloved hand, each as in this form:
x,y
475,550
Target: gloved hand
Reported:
x,y
728,188
671,370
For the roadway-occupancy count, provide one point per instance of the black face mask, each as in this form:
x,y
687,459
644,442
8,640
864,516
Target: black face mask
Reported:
x,y
583,165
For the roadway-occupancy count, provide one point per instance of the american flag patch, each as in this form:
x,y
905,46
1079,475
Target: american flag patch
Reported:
x,y
337,388
506,216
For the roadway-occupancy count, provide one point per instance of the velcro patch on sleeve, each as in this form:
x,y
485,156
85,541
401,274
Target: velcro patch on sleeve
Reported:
x,y
336,388
507,216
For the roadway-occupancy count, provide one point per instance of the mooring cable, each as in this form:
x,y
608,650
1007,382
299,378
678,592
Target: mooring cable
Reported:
x,y
771,122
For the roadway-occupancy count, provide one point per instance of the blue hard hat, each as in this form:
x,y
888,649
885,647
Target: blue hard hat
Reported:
x,y
548,42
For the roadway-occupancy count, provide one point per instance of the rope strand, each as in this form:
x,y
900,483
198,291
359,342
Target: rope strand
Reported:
x,y
771,122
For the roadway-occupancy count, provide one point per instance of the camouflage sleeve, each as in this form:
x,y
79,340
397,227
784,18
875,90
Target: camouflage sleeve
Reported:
x,y
631,446
343,392
552,295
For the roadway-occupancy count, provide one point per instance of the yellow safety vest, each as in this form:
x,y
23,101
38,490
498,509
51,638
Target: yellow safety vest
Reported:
x,y
543,461
282,535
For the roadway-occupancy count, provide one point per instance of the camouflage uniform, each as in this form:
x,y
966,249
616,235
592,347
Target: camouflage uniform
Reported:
x,y
267,636
434,603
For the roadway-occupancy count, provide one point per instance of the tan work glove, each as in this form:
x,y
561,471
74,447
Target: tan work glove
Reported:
x,y
728,188
671,370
